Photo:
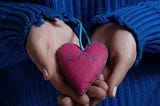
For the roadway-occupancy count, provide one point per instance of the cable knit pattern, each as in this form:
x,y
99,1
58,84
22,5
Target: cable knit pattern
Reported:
x,y
21,84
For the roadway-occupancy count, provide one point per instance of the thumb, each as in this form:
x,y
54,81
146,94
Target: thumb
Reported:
x,y
115,77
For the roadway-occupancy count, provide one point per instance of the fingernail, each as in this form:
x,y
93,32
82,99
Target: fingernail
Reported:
x,y
66,99
114,92
103,98
45,72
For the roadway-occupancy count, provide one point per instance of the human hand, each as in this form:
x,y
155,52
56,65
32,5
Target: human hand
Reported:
x,y
96,93
42,44
122,53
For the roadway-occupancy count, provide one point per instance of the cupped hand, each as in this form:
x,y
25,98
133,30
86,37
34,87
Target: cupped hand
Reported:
x,y
96,93
122,53
42,44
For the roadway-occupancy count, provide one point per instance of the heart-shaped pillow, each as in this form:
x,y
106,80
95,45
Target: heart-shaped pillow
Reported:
x,y
82,68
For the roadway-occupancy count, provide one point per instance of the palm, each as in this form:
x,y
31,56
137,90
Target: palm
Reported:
x,y
122,57
122,52
42,44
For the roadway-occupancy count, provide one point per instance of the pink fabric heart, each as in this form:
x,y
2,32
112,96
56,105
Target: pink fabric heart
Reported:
x,y
82,68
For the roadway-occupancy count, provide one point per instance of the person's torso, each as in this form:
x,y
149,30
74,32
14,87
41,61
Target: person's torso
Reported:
x,y
84,10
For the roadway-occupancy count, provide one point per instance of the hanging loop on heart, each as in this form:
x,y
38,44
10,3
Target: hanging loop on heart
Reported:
x,y
81,68
81,32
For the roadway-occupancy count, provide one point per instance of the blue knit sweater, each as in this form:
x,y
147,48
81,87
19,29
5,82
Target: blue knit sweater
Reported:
x,y
21,84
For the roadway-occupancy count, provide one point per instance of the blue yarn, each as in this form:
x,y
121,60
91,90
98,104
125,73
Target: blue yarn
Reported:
x,y
22,84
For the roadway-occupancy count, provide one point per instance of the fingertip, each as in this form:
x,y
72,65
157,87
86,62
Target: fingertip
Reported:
x,y
84,99
106,73
112,83
47,72
65,101
59,99
112,92
48,76
101,84
101,77
97,92
95,101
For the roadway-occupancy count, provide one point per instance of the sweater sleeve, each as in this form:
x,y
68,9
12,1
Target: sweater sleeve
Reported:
x,y
143,20
15,21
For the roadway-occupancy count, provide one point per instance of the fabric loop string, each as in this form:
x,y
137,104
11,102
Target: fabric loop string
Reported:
x,y
81,32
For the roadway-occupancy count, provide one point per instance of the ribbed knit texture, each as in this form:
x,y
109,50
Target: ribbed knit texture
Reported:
x,y
143,21
21,84
15,21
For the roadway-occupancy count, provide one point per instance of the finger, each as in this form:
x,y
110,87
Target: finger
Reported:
x,y
116,76
49,60
106,73
101,77
65,89
75,40
39,56
65,101
59,99
101,84
96,92
95,101
39,51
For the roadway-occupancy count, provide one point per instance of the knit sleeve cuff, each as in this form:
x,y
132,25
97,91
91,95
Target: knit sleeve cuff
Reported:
x,y
21,16
15,22
143,21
